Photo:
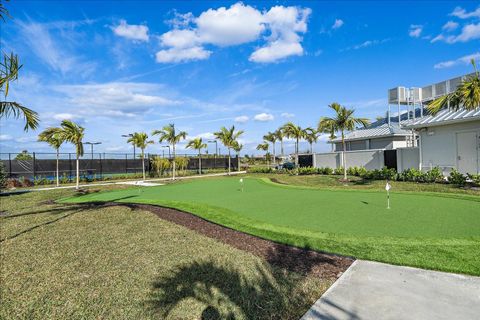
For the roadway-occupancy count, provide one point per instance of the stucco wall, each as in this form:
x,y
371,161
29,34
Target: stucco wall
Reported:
x,y
439,145
407,158
370,159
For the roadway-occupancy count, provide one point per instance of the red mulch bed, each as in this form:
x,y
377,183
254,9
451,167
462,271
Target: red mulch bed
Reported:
x,y
299,260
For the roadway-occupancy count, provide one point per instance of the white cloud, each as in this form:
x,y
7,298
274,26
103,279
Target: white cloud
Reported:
x,y
65,116
182,54
469,32
263,117
116,99
415,30
131,31
337,24
461,13
450,26
238,24
5,137
366,44
287,115
465,60
241,119
285,23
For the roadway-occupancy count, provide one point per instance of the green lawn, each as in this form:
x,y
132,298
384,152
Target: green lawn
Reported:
x,y
63,261
430,230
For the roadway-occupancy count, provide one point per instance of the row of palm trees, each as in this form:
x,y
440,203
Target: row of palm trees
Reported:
x,y
342,121
68,131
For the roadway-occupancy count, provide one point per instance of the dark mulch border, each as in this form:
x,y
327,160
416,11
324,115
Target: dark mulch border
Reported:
x,y
299,260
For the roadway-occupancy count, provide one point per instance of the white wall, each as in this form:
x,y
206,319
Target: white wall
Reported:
x,y
439,145
370,159
407,158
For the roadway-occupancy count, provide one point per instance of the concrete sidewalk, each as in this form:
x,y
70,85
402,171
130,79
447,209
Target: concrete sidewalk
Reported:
x,y
372,290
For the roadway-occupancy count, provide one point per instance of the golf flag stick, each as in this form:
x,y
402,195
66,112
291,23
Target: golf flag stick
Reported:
x,y
387,187
241,184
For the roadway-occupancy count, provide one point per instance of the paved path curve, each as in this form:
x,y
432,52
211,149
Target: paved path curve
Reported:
x,y
372,290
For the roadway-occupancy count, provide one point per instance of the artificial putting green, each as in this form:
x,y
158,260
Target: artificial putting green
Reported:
x,y
428,230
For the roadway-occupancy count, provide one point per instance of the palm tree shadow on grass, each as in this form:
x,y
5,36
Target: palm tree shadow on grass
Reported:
x,y
273,292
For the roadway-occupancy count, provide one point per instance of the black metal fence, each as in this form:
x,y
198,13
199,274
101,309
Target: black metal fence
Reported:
x,y
99,165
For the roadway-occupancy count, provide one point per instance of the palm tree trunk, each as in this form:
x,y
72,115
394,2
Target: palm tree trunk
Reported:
x,y
173,172
344,159
274,153
143,164
296,153
311,148
58,180
228,161
199,162
78,173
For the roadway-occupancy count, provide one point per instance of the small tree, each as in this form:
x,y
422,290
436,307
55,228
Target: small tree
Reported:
x,y
140,140
294,131
73,133
3,176
170,135
198,145
160,165
24,155
272,138
53,137
228,138
237,147
264,147
342,121
311,135
181,163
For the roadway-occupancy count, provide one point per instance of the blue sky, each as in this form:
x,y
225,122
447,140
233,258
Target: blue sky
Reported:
x,y
135,66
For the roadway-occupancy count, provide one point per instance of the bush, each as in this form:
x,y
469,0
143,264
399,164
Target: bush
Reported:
x,y
457,178
3,177
474,177
433,175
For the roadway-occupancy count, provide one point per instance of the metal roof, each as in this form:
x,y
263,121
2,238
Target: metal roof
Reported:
x,y
443,117
377,129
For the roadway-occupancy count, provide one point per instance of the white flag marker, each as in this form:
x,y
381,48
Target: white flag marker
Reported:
x,y
241,183
388,187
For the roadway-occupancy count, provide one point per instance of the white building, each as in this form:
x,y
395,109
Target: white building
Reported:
x,y
450,139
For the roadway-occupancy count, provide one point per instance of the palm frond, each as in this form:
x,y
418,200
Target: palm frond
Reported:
x,y
13,109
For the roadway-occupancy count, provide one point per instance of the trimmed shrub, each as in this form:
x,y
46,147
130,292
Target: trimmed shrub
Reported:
x,y
457,178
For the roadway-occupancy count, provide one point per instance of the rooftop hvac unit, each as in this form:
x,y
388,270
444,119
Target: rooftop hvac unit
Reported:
x,y
453,84
440,88
416,94
428,92
397,95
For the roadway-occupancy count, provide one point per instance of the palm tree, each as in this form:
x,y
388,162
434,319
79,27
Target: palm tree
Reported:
x,y
140,140
228,137
9,68
53,137
467,95
272,138
197,144
293,131
342,121
311,135
73,133
264,147
330,129
280,135
237,147
170,135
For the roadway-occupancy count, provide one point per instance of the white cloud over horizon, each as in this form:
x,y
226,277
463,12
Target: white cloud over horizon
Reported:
x,y
236,25
465,60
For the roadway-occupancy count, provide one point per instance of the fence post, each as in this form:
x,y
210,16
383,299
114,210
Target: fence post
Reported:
x,y
69,166
9,166
34,166
101,166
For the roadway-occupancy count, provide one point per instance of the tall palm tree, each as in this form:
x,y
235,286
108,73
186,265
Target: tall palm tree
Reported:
x,y
272,138
293,131
9,68
170,135
311,135
53,137
330,129
280,135
197,144
237,147
228,138
140,140
343,120
467,95
264,147
73,133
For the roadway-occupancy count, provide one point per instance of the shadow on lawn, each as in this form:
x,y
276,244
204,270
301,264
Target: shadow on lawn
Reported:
x,y
225,293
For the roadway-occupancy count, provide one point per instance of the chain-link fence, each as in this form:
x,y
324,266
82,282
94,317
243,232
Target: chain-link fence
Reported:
x,y
36,165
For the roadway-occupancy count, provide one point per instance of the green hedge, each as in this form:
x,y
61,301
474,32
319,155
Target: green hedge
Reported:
x,y
433,175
